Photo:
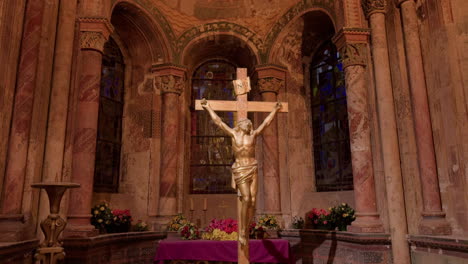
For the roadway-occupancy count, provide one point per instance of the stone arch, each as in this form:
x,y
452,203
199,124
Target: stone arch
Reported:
x,y
294,13
149,24
217,40
318,26
196,33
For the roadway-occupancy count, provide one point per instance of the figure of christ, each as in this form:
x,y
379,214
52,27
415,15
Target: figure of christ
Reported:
x,y
244,169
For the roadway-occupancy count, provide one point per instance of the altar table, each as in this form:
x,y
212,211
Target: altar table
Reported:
x,y
261,250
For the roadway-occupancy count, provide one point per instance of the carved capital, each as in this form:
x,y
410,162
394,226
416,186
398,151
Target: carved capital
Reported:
x,y
354,54
92,40
94,32
270,84
169,83
373,6
169,78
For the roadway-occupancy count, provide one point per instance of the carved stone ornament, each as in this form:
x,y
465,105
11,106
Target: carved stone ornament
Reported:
x,y
270,84
354,54
92,40
241,86
169,84
373,6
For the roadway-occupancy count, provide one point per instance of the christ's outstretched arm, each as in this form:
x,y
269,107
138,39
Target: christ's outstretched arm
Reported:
x,y
217,120
267,120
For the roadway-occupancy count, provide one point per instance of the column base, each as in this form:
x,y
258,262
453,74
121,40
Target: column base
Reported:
x,y
368,223
434,224
12,228
80,231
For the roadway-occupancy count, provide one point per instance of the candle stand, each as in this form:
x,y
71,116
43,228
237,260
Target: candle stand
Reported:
x,y
50,250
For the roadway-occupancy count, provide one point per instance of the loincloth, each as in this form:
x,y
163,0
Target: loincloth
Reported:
x,y
243,174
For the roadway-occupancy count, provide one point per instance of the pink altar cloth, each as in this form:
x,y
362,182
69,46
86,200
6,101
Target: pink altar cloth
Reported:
x,y
263,250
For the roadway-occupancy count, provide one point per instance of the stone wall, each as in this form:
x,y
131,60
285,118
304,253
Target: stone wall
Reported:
x,y
134,247
320,247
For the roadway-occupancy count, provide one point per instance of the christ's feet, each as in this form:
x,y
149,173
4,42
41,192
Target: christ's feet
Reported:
x,y
242,239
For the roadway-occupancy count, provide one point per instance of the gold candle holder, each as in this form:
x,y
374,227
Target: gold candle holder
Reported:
x,y
51,250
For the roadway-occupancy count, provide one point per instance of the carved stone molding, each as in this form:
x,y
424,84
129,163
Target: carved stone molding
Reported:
x,y
373,6
92,40
271,70
270,84
96,24
169,78
399,2
354,54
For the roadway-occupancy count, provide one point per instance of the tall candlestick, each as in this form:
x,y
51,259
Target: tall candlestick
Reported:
x,y
191,204
205,204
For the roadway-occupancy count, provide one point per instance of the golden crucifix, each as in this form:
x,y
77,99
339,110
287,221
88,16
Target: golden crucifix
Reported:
x,y
244,169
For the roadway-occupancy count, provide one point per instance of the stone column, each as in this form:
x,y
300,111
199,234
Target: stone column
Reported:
x,y
271,79
170,80
375,13
352,44
433,221
94,34
58,105
21,124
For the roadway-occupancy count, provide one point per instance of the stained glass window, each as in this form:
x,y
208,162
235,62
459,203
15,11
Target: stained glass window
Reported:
x,y
109,136
211,153
333,171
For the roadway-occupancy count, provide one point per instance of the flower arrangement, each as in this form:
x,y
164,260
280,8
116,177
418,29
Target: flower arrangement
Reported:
x,y
221,229
140,226
176,223
342,215
121,221
297,222
268,222
339,217
256,231
110,221
101,217
320,219
189,231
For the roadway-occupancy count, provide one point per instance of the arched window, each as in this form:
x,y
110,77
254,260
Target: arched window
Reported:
x,y
333,171
211,153
109,134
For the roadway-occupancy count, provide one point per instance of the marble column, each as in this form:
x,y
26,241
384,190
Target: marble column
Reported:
x,y
433,221
352,44
59,96
94,34
271,79
21,122
375,13
170,80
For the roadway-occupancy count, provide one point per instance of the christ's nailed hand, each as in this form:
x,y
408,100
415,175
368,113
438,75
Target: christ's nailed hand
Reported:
x,y
278,105
204,103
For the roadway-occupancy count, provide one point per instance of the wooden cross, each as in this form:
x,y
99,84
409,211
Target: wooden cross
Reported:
x,y
242,106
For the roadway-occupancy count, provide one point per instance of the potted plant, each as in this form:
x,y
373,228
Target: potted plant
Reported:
x,y
175,224
270,225
101,217
342,215
297,222
320,219
121,221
